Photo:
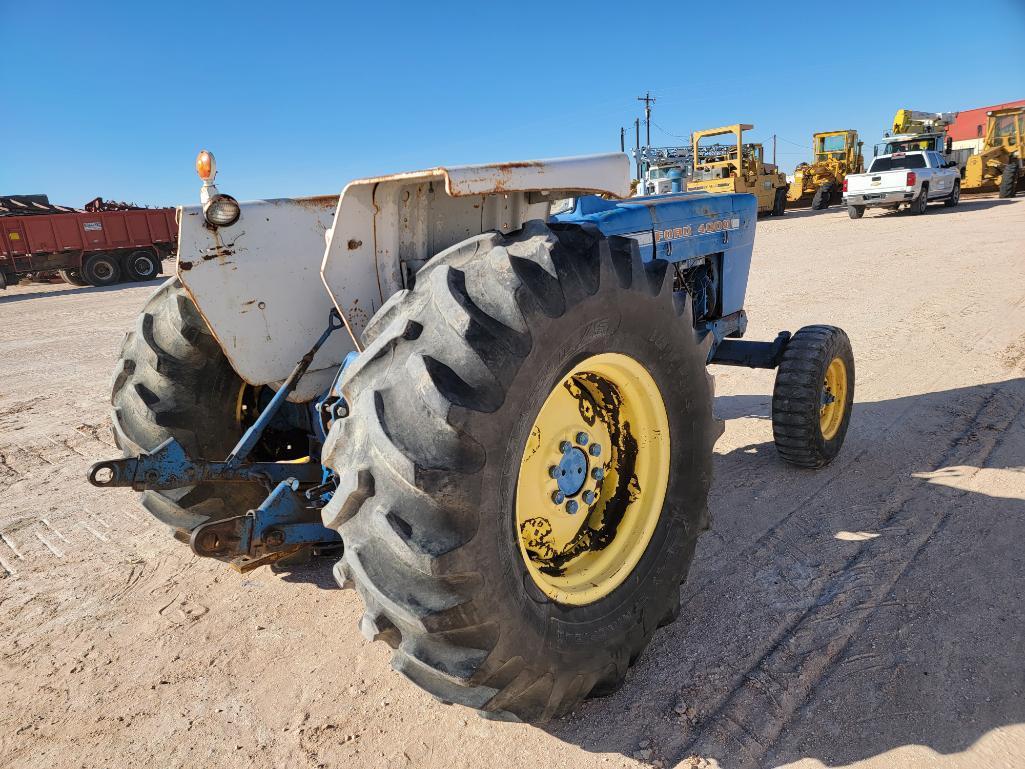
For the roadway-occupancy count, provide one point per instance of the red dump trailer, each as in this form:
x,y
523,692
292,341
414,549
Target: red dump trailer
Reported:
x,y
98,247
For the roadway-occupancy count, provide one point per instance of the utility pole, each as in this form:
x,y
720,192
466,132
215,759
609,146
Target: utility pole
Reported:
x,y
622,139
637,135
648,100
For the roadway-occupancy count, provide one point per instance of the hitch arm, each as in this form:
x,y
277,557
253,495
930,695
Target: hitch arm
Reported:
x,y
169,467
283,524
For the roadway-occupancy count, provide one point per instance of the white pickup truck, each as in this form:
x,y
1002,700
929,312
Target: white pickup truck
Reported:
x,y
913,179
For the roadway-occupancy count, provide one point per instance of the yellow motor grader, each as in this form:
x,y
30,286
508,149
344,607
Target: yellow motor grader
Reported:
x,y
836,154
999,166
737,167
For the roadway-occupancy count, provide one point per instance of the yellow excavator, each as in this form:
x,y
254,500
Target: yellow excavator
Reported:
x,y
836,154
999,166
737,167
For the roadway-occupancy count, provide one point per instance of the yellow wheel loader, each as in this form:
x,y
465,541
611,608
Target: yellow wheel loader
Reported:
x,y
836,153
1000,164
737,167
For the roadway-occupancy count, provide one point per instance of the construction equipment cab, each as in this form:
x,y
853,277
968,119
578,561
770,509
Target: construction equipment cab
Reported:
x,y
915,131
836,154
999,166
737,167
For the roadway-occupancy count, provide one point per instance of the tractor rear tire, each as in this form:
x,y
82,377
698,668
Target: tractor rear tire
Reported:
x,y
1009,180
779,202
101,270
955,195
445,406
172,380
813,395
823,196
855,212
73,277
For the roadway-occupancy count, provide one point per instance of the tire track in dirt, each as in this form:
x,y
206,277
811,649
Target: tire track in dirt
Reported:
x,y
753,714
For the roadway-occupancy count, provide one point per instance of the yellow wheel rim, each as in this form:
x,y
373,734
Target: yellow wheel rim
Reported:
x,y
834,398
593,479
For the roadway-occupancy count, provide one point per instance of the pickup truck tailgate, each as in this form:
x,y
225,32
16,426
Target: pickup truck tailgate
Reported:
x,y
883,181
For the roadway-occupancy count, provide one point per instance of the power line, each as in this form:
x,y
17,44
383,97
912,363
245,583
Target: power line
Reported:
x,y
668,133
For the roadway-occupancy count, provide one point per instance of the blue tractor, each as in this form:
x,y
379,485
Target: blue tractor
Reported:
x,y
504,433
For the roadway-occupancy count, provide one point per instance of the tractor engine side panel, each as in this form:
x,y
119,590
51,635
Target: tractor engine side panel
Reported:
x,y
682,228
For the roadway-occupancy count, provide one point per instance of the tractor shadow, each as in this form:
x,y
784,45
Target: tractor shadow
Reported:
x,y
842,613
11,298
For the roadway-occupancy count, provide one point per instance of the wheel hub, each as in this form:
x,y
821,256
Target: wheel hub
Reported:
x,y
571,472
834,398
593,479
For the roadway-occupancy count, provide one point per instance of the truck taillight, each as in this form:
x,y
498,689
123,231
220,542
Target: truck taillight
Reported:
x,y
911,179
845,185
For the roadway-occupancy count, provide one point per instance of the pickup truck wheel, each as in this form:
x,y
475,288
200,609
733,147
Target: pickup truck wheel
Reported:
x,y
813,395
525,468
101,270
142,265
919,204
955,196
72,277
1009,180
855,212
823,196
172,380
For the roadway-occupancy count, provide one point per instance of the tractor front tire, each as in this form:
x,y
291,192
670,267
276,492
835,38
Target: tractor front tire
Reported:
x,y
552,340
823,196
1009,180
173,380
813,395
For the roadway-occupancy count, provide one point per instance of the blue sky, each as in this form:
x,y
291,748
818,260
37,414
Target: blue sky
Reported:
x,y
116,98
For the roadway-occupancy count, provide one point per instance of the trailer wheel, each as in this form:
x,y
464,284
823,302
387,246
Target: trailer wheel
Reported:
x,y
525,468
101,270
1009,180
813,395
172,380
141,265
72,277
823,196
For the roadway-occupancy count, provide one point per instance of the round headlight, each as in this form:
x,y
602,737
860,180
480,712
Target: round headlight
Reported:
x,y
222,211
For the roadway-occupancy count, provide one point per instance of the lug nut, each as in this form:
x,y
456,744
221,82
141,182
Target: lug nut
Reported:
x,y
582,438
598,473
565,446
571,506
558,497
595,449
589,497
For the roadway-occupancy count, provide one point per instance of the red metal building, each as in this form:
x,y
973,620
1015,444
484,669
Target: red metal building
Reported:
x,y
969,128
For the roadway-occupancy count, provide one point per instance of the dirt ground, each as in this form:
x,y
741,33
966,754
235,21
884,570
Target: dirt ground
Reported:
x,y
870,614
